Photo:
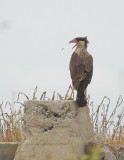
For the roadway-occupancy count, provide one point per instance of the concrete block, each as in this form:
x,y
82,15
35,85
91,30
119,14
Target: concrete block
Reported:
x,y
52,129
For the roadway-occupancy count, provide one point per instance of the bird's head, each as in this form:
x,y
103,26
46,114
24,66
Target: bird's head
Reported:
x,y
80,42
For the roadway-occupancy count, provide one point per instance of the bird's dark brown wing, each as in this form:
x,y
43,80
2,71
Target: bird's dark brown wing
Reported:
x,y
89,67
81,67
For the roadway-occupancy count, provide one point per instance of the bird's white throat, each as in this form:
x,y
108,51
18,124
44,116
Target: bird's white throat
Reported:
x,y
80,50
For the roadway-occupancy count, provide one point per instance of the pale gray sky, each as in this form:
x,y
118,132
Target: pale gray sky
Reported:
x,y
33,33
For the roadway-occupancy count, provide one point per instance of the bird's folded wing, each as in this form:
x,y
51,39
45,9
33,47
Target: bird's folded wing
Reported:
x,y
77,70
88,63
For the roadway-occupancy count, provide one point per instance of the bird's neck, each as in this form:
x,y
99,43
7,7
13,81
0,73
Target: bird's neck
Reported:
x,y
80,50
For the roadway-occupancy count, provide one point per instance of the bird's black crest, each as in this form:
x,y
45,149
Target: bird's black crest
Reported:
x,y
83,39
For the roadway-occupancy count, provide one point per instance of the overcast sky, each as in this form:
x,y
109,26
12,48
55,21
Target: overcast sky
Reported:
x,y
33,33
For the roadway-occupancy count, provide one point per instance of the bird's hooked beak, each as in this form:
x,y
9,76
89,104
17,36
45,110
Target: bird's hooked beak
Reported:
x,y
74,41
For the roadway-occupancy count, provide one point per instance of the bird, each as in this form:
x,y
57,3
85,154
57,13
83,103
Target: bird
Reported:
x,y
81,69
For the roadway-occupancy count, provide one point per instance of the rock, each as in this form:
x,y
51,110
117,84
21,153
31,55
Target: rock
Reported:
x,y
120,154
7,150
112,149
53,128
108,154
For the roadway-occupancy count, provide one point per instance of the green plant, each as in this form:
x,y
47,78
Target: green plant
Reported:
x,y
94,154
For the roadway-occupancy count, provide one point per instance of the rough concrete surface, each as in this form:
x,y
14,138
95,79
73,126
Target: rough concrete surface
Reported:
x,y
53,129
7,150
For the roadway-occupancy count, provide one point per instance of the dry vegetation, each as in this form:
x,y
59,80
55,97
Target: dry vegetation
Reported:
x,y
107,123
103,119
10,124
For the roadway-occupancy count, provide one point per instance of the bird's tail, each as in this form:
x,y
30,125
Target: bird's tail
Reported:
x,y
81,98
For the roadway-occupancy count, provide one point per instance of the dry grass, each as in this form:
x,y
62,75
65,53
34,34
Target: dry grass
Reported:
x,y
103,119
10,124
111,126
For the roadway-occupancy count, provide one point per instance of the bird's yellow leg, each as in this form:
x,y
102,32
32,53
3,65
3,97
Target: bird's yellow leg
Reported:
x,y
70,97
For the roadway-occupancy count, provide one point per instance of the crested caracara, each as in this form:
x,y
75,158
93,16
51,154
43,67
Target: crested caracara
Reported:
x,y
81,69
